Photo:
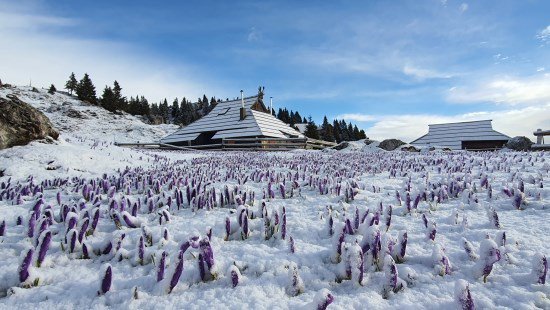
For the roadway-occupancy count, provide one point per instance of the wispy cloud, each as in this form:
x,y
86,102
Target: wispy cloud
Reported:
x,y
463,7
544,34
422,74
254,35
35,47
408,127
505,90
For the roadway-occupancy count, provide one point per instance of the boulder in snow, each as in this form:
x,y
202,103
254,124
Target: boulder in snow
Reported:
x,y
390,144
20,123
519,143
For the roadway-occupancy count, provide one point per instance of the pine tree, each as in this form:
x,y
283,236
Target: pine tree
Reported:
x,y
120,101
337,131
327,131
362,134
52,90
356,134
108,99
86,90
175,111
71,84
311,129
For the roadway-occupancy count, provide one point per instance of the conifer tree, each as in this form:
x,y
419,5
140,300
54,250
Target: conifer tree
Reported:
x,y
108,100
120,102
86,90
175,111
52,90
71,84
311,129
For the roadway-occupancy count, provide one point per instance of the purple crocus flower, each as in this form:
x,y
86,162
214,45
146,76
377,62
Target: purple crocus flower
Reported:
x,y
32,223
25,265
291,245
141,250
401,247
130,222
3,228
283,227
388,217
235,275
202,270
323,299
227,228
463,295
106,281
541,268
85,251
43,246
83,230
425,220
161,266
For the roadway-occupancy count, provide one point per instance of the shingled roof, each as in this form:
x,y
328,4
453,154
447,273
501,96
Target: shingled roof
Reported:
x,y
452,135
224,120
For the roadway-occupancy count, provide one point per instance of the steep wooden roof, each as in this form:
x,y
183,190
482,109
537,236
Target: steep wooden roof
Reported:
x,y
225,121
451,135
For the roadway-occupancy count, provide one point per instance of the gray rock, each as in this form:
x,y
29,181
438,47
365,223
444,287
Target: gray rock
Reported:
x,y
368,141
340,146
410,148
390,144
20,123
519,143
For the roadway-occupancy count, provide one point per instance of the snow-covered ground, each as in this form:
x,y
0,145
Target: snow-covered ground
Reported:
x,y
167,202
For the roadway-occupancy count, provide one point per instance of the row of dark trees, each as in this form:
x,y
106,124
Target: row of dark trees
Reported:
x,y
183,112
338,131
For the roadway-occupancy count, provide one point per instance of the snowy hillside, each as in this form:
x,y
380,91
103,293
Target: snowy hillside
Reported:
x,y
297,230
86,224
86,131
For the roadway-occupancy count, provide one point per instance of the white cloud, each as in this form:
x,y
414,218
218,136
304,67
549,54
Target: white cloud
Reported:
x,y
422,74
544,34
516,122
34,47
463,7
254,35
357,117
505,90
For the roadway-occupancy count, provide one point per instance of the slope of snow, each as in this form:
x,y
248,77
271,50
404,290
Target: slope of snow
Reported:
x,y
68,281
86,132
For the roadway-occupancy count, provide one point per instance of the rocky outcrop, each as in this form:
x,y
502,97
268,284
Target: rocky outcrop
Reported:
x,y
409,148
20,123
341,146
390,144
519,143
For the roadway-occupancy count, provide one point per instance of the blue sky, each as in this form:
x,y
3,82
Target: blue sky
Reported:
x,y
390,66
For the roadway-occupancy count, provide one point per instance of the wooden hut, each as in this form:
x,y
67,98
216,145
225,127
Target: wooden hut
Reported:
x,y
474,135
239,123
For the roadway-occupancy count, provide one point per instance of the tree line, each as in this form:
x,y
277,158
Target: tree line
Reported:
x,y
183,112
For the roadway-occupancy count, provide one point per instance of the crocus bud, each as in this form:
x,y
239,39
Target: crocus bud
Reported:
x,y
43,246
227,228
469,249
296,285
540,268
463,295
106,281
161,266
291,246
234,275
25,265
323,298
